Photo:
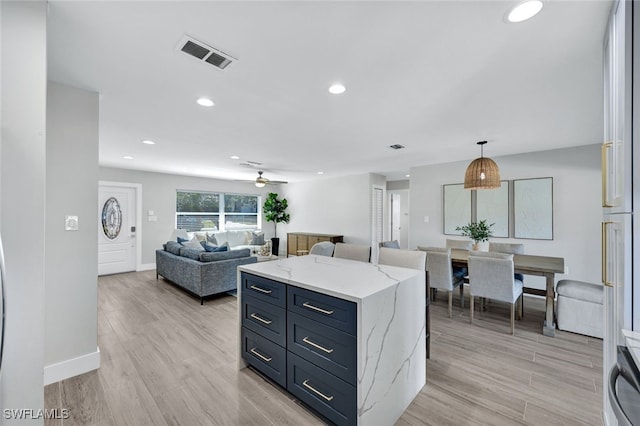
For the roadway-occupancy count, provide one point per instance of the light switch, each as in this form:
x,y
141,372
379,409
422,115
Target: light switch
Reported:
x,y
151,213
426,219
71,223
152,218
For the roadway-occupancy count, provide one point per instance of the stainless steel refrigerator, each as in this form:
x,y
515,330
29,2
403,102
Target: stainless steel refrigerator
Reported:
x,y
620,188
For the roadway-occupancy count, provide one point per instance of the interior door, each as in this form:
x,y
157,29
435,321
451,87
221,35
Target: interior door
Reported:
x,y
116,229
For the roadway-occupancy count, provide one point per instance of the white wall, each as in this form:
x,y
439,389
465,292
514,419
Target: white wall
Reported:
x,y
71,256
159,195
339,206
577,211
22,171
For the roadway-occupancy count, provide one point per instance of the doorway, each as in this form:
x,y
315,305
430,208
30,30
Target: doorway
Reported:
x,y
117,230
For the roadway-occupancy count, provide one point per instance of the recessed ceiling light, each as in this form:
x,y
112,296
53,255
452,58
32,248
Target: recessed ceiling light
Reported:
x,y
234,157
205,102
525,10
407,175
320,173
128,157
337,89
148,142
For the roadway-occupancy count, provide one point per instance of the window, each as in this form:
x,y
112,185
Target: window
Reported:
x,y
209,211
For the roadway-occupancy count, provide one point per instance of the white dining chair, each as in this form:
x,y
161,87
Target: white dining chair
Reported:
x,y
441,274
358,252
511,248
412,259
323,248
491,277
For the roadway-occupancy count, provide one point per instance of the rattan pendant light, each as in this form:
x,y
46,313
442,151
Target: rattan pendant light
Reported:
x,y
482,173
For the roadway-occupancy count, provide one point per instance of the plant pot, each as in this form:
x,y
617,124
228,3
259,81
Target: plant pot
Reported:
x,y
475,246
275,246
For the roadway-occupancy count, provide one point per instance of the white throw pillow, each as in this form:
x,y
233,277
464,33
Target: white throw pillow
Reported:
x,y
193,244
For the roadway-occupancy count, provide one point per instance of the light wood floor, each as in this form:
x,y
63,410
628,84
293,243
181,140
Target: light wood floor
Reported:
x,y
166,360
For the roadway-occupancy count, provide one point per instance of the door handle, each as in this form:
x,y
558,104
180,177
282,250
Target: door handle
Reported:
x,y
605,255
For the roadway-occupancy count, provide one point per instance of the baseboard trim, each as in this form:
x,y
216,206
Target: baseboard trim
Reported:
x,y
146,267
71,367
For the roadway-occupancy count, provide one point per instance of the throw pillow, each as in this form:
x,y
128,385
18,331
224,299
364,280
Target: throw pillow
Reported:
x,y
182,240
208,247
258,239
193,244
212,239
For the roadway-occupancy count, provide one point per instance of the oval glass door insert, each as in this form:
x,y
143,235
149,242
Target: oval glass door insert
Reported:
x,y
111,218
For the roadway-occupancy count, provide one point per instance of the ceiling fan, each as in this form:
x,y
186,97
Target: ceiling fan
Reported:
x,y
261,181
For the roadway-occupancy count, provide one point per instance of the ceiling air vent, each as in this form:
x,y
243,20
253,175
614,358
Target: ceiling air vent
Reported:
x,y
205,53
396,146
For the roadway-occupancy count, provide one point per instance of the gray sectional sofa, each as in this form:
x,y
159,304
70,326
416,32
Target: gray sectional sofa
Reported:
x,y
201,273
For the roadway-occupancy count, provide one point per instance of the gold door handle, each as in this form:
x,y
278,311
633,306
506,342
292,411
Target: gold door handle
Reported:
x,y
605,174
261,290
315,345
315,308
259,318
259,355
317,392
605,255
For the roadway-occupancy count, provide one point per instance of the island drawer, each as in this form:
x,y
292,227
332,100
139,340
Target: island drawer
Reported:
x,y
267,320
325,309
324,346
267,357
265,289
330,396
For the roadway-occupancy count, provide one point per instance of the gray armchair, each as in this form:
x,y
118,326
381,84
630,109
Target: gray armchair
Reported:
x,y
441,274
491,277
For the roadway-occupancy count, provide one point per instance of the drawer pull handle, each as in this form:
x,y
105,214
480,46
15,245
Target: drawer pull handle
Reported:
x,y
261,290
259,318
315,308
259,355
315,345
311,388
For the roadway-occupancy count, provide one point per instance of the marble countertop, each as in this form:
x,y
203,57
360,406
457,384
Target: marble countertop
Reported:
x,y
632,339
346,279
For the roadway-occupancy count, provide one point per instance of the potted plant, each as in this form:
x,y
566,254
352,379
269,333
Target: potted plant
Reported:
x,y
477,231
274,210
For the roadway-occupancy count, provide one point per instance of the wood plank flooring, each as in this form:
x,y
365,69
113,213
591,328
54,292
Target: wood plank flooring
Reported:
x,y
166,360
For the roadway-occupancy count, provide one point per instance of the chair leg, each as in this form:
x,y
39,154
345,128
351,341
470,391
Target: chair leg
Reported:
x,y
462,296
450,304
520,309
471,308
513,308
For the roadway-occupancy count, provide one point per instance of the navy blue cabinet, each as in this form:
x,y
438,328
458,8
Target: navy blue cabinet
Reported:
x,y
305,341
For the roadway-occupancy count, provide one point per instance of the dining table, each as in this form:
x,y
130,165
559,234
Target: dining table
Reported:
x,y
527,264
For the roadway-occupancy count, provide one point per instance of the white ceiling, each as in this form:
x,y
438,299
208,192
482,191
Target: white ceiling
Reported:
x,y
435,76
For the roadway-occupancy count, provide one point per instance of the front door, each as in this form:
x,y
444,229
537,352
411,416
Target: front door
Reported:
x,y
116,229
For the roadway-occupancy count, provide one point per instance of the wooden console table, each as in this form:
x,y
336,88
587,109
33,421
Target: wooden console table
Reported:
x,y
305,240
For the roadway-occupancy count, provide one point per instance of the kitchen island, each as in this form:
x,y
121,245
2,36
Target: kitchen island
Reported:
x,y
345,337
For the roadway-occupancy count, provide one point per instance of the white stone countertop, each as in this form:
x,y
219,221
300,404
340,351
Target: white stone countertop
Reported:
x,y
346,279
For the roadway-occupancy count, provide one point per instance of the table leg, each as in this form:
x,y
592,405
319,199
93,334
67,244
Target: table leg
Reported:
x,y
549,328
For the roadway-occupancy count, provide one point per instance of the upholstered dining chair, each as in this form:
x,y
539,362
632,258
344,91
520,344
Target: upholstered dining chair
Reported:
x,y
459,244
508,248
412,259
441,274
491,277
390,244
323,248
358,252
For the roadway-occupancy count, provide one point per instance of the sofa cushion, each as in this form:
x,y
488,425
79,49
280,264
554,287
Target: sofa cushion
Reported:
x,y
239,238
173,247
182,240
193,244
224,255
190,253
